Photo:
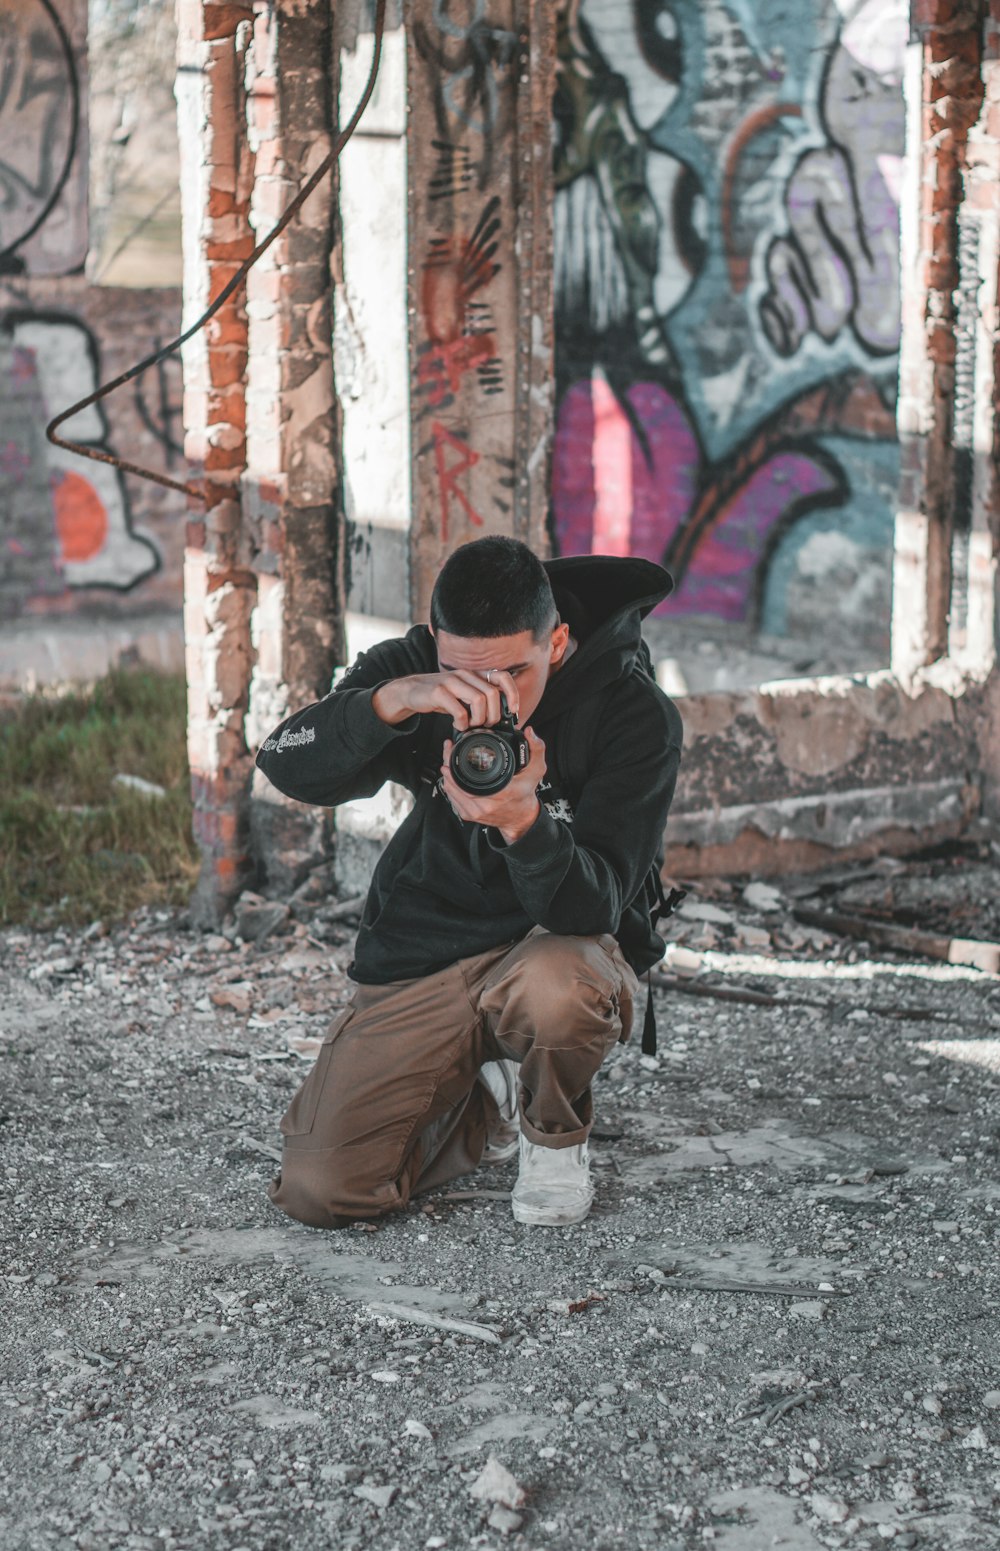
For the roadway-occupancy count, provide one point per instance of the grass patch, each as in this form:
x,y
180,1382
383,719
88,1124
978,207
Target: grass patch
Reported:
x,y
74,846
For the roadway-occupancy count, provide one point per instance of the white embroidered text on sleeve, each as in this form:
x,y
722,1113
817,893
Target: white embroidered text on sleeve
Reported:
x,y
291,740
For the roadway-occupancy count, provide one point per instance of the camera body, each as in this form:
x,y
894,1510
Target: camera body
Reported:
x,y
485,760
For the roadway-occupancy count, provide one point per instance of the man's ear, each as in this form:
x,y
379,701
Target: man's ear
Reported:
x,y
560,641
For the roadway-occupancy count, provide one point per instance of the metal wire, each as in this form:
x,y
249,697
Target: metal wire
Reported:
x,y
195,491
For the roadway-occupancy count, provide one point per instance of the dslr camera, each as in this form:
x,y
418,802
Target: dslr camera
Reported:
x,y
486,759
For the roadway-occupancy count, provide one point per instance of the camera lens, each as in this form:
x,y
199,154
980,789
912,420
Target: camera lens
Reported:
x,y
482,763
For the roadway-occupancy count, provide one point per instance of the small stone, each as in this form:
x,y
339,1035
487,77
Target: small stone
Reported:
x,y
102,1472
890,1079
682,961
991,1400
932,1404
888,1531
797,1477
830,1509
238,998
342,1474
753,936
694,910
138,784
379,1496
505,1520
945,1227
257,918
976,1439
761,896
495,1484
384,1376
812,1309
414,1429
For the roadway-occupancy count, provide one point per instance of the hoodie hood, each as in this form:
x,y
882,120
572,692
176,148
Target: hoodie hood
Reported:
x,y
604,599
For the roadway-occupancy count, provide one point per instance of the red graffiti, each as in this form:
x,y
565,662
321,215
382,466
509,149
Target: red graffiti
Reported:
x,y
441,370
448,475
81,516
455,269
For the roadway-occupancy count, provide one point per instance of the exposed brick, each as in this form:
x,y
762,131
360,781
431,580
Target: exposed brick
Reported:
x,y
222,19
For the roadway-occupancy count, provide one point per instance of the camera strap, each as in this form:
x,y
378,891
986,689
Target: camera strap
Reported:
x,y
663,905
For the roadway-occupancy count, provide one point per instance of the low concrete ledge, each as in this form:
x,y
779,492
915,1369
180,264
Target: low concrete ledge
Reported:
x,y
803,773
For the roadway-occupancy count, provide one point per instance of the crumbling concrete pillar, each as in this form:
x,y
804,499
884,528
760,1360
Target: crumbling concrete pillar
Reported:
x,y
291,481
982,643
480,86
219,583
943,91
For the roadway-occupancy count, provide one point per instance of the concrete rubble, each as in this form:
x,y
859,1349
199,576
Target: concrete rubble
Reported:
x,y
778,1327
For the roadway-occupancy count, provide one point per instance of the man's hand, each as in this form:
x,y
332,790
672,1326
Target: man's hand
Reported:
x,y
464,696
512,811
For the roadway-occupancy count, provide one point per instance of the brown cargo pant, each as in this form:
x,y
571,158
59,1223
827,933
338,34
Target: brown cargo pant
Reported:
x,y
392,1106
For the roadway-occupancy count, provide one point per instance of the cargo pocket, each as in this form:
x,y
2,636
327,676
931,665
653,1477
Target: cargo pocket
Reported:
x,y
300,1116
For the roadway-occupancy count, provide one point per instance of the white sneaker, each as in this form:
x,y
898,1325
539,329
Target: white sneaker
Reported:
x,y
500,1078
553,1185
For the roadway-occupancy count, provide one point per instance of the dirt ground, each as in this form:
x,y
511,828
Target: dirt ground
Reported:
x,y
777,1328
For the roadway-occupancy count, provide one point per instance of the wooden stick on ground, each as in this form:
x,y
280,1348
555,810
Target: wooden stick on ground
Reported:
x,y
906,939
748,997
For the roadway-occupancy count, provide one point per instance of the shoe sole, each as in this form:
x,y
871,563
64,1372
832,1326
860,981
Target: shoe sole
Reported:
x,y
500,1152
539,1217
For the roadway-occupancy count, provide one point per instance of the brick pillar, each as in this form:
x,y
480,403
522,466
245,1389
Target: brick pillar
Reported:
x,y
943,93
290,484
219,584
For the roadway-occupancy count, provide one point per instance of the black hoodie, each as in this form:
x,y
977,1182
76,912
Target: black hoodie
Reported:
x,y
444,889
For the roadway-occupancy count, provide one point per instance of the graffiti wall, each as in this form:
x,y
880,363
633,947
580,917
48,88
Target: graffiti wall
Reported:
x,y
43,138
726,246
77,541
68,534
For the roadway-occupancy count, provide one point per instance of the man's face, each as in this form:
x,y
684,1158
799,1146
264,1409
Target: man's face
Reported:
x,y
529,662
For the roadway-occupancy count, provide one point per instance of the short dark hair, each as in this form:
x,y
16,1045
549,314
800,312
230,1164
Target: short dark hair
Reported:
x,y
493,587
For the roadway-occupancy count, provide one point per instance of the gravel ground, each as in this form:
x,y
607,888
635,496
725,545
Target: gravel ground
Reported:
x,y
778,1326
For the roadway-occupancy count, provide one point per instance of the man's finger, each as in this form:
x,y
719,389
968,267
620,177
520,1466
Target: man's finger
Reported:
x,y
473,694
457,709
486,693
454,794
502,680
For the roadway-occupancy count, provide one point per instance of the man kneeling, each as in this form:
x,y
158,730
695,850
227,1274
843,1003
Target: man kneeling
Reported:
x,y
497,958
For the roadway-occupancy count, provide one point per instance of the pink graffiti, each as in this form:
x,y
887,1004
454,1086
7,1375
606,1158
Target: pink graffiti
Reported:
x,y
609,497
